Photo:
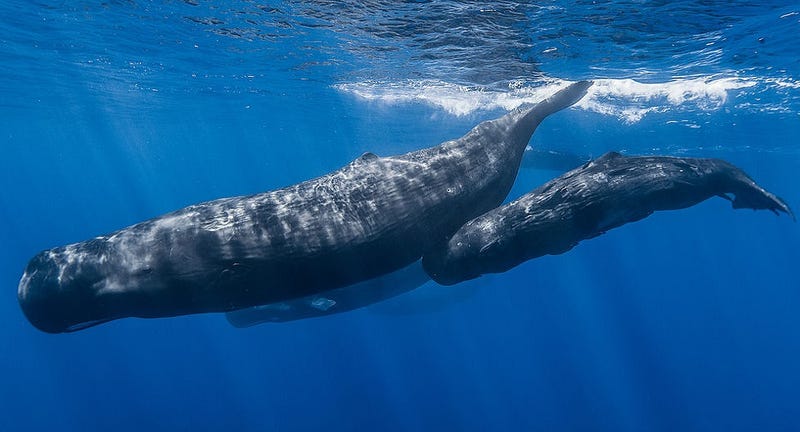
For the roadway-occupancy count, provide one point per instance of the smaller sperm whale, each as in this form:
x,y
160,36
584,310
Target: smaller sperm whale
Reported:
x,y
585,203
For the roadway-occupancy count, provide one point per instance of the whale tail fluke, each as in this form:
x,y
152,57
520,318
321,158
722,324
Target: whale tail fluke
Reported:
x,y
757,198
748,194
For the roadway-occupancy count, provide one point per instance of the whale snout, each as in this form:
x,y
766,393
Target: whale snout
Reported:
x,y
452,263
38,294
53,300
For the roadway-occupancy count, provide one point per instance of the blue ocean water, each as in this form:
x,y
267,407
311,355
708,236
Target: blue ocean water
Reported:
x,y
114,112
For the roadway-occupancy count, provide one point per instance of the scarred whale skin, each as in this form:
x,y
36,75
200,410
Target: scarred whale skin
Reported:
x,y
371,217
584,203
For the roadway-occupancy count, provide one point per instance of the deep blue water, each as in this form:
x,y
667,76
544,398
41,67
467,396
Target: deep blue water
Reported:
x,y
118,111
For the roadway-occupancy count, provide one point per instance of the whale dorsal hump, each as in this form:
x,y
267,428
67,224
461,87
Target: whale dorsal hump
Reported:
x,y
366,157
610,156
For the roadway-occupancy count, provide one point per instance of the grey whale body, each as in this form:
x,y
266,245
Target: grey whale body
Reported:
x,y
371,217
586,202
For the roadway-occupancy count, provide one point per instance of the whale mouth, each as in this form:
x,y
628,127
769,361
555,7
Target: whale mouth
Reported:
x,y
85,325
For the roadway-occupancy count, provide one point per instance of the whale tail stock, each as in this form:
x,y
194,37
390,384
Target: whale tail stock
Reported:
x,y
527,119
565,97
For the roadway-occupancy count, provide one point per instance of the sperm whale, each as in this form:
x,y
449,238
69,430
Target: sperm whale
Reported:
x,y
585,203
374,216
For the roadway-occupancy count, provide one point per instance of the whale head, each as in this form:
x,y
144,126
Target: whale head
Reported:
x,y
56,298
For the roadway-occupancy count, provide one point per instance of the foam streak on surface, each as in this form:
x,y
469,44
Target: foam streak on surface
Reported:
x,y
626,99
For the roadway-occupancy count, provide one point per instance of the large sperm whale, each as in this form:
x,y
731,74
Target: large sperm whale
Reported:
x,y
586,202
371,217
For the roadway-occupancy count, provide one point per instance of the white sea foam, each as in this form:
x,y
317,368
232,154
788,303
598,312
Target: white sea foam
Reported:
x,y
456,99
631,100
626,99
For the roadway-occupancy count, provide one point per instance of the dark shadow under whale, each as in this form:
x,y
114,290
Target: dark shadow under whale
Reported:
x,y
334,301
586,202
371,217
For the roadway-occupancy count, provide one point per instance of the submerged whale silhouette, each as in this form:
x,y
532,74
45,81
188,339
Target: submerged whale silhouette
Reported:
x,y
371,217
585,203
